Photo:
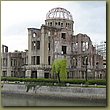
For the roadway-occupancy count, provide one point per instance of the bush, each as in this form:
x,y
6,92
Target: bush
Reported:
x,y
52,81
98,82
86,83
74,81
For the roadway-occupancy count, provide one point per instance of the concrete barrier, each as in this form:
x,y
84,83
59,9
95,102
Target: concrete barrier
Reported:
x,y
81,92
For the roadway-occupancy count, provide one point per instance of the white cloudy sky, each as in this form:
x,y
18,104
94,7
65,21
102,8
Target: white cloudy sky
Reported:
x,y
16,16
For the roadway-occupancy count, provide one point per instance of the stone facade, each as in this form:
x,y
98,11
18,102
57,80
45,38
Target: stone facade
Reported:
x,y
56,39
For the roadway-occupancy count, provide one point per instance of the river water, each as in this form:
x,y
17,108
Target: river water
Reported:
x,y
16,100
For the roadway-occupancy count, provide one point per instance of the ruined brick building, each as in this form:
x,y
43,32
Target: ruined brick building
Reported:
x,y
55,39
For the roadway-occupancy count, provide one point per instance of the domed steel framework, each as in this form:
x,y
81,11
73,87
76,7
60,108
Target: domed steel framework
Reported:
x,y
59,13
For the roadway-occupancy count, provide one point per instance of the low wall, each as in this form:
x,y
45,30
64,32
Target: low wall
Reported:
x,y
79,92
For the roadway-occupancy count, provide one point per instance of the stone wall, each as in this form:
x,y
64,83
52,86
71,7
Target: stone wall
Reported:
x,y
93,93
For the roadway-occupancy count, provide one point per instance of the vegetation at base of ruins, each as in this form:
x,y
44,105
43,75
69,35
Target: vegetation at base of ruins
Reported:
x,y
54,81
59,69
86,83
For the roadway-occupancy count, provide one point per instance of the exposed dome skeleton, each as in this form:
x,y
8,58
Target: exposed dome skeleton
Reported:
x,y
59,13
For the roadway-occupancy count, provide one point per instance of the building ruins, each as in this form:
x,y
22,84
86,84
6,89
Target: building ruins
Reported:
x,y
55,39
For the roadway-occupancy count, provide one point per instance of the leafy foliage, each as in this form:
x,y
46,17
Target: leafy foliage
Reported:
x,y
59,68
51,81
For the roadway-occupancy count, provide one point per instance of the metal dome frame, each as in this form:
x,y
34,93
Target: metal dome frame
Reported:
x,y
59,13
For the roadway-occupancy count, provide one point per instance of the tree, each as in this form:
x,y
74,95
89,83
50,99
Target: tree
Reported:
x,y
59,68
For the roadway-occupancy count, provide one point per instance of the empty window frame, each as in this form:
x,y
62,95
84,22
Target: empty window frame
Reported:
x,y
87,45
83,60
74,62
70,26
49,46
6,49
64,49
46,75
13,62
4,73
83,46
50,23
61,24
63,35
75,46
33,60
33,45
38,60
55,23
66,24
34,74
34,34
38,45
4,61
93,60
49,60
12,73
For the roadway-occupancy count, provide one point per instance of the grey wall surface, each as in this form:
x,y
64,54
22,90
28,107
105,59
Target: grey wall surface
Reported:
x,y
98,93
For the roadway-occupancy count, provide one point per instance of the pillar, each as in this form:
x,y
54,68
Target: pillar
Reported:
x,y
8,65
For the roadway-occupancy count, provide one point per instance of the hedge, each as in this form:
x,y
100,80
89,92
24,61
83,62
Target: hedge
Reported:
x,y
98,82
43,80
28,79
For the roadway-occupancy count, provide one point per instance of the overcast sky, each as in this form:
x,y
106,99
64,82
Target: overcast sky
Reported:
x,y
16,16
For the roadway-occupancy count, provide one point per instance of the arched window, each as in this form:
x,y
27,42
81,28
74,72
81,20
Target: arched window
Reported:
x,y
59,23
50,23
34,34
55,23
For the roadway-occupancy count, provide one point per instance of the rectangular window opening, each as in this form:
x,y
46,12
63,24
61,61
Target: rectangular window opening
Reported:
x,y
50,23
63,35
49,46
48,60
38,45
64,49
33,45
33,60
38,60
46,75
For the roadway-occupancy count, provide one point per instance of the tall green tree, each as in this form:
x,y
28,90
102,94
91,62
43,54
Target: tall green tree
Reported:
x,y
59,68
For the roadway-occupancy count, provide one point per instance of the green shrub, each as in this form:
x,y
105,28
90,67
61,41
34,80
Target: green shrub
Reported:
x,y
44,81
86,83
74,81
98,82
